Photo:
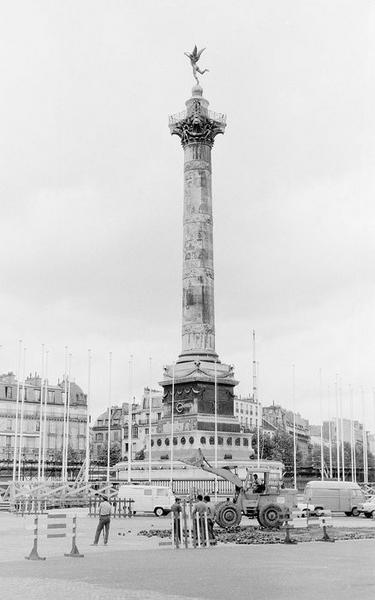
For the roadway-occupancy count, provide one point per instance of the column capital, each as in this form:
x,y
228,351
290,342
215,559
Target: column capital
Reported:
x,y
197,124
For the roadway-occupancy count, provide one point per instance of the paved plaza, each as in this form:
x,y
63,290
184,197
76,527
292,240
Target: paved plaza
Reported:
x,y
136,567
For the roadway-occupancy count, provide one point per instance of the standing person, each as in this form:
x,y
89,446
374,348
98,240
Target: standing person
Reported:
x,y
176,510
210,519
200,508
104,521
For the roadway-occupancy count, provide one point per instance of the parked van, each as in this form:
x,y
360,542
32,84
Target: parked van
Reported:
x,y
148,498
337,496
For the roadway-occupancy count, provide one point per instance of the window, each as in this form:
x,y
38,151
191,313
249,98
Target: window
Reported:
x,y
167,441
162,492
159,442
37,395
152,443
203,440
8,392
9,424
183,441
229,441
212,440
220,441
99,437
191,440
175,441
8,441
245,442
147,492
237,442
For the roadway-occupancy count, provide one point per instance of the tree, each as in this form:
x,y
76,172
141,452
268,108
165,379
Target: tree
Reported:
x,y
277,447
114,453
73,456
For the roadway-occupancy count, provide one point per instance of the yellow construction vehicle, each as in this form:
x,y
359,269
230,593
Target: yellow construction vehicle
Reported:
x,y
260,495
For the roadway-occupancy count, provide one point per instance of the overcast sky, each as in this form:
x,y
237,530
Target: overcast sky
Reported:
x,y
91,187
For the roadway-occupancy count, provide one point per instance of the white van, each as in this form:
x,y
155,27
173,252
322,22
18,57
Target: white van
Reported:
x,y
337,496
148,498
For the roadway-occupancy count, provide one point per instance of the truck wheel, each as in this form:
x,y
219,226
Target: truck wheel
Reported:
x,y
159,512
355,512
228,515
368,515
271,516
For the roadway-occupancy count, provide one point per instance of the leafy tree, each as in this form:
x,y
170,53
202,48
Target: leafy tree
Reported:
x,y
114,453
73,456
276,447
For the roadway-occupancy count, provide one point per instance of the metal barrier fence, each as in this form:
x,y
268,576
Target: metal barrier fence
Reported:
x,y
121,507
191,529
30,506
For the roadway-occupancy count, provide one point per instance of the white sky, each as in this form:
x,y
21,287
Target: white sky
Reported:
x,y
91,189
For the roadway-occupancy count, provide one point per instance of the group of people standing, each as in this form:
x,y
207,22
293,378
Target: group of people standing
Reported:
x,y
201,507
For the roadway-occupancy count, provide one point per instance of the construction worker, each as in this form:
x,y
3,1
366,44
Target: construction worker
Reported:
x,y
210,519
176,510
200,508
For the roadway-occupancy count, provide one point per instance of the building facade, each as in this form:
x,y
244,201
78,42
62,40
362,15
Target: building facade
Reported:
x,y
282,419
248,411
28,428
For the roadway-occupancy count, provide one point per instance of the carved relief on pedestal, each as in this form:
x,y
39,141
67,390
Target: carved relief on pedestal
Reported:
x,y
198,336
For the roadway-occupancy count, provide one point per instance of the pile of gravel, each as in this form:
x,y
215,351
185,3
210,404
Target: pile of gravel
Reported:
x,y
258,535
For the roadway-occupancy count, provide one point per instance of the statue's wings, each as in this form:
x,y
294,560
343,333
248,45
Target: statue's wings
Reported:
x,y
200,52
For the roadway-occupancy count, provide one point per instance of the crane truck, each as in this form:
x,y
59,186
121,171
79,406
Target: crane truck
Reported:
x,y
265,500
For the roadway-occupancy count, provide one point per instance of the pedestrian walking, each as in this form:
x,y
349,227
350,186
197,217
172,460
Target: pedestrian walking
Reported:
x,y
104,521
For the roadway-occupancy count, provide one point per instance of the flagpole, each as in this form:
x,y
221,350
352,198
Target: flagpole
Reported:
x,y
68,418
255,398
41,417
45,415
337,429
364,439
215,428
130,419
342,433
172,424
88,401
351,433
109,416
22,411
149,424
64,413
17,410
321,427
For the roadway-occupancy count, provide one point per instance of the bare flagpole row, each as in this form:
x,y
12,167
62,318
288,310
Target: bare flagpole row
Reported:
x,y
17,410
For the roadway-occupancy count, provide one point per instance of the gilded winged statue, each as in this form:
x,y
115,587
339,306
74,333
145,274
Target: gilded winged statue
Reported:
x,y
194,56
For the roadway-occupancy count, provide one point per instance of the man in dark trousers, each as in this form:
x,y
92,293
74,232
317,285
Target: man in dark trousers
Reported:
x,y
104,521
200,508
210,519
176,509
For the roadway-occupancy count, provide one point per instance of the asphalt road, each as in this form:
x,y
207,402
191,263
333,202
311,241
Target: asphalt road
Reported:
x,y
136,568
344,570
